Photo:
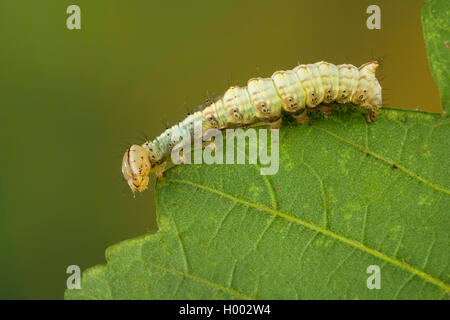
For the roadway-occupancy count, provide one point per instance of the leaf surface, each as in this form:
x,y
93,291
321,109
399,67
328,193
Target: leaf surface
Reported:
x,y
348,195
436,30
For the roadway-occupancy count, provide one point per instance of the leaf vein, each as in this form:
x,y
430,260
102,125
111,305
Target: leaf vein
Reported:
x,y
388,161
201,280
327,232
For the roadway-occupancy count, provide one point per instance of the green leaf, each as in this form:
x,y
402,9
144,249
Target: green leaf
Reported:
x,y
347,195
436,30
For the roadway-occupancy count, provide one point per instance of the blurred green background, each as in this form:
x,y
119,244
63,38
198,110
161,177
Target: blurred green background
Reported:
x,y
72,100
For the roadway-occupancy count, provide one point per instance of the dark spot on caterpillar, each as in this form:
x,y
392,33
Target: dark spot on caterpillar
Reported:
x,y
174,204
262,106
367,154
394,166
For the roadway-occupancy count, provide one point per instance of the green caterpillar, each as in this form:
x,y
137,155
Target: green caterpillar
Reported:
x,y
264,100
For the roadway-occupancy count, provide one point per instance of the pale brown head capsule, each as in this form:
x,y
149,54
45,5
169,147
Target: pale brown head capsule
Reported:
x,y
136,167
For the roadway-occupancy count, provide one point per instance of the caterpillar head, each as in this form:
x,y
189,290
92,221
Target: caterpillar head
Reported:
x,y
136,167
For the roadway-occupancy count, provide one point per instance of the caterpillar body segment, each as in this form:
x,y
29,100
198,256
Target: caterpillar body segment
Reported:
x,y
264,100
290,90
238,103
329,74
368,90
348,81
211,118
309,77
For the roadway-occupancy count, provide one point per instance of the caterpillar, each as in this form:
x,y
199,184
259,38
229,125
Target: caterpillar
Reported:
x,y
263,101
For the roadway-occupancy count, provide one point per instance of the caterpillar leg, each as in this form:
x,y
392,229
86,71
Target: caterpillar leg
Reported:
x,y
276,124
371,113
326,110
159,170
302,117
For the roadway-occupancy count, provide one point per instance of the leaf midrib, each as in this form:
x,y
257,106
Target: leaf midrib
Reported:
x,y
322,230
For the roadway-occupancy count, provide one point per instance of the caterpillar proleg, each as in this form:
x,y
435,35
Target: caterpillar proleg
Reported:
x,y
264,100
